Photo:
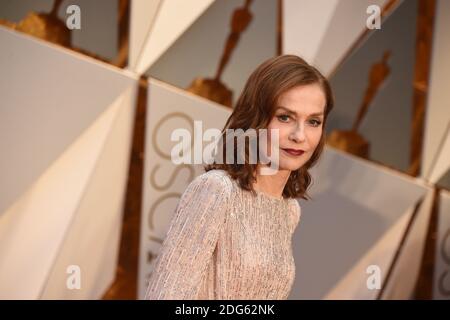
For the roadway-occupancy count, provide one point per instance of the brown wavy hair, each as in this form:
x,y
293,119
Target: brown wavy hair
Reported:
x,y
255,109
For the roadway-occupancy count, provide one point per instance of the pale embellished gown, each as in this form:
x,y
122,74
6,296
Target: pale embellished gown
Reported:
x,y
225,243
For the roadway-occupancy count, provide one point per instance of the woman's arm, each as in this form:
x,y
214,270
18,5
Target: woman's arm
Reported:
x,y
191,239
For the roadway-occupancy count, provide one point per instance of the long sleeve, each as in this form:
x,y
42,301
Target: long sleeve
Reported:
x,y
190,240
296,214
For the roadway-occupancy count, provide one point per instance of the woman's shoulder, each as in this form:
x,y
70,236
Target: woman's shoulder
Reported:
x,y
296,205
218,174
212,184
215,178
296,212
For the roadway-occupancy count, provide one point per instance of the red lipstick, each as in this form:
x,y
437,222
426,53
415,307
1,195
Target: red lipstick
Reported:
x,y
294,152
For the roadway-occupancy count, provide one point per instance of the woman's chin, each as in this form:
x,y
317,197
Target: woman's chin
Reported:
x,y
289,164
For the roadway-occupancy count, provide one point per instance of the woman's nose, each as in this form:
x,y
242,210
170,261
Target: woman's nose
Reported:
x,y
298,133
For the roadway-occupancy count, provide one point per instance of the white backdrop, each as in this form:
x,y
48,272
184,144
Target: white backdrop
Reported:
x,y
357,218
66,133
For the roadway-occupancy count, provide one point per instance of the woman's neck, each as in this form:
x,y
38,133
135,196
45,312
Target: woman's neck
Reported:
x,y
272,185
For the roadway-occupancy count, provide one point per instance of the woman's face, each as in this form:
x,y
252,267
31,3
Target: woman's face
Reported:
x,y
299,116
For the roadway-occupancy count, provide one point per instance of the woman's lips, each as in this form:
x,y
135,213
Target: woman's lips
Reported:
x,y
294,152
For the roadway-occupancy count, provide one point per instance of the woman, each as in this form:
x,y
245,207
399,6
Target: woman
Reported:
x,y
230,237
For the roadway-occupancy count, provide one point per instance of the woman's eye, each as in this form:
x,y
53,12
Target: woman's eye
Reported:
x,y
315,123
283,118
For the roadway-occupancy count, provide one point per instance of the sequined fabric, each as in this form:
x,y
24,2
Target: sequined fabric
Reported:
x,y
225,243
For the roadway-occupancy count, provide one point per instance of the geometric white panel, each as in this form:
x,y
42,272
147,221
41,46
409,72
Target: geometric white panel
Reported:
x,y
92,239
298,15
142,16
357,216
405,264
172,19
34,228
406,268
437,115
441,163
353,285
322,31
50,95
169,108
